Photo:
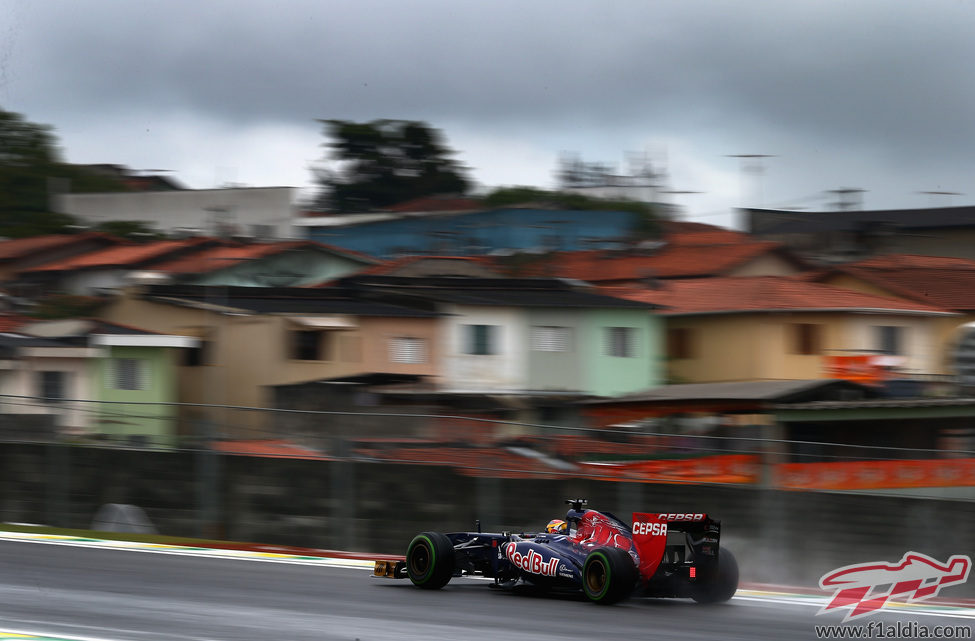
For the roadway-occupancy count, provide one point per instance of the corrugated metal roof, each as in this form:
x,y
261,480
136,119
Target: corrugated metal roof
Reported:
x,y
735,391
796,222
280,300
878,403
515,292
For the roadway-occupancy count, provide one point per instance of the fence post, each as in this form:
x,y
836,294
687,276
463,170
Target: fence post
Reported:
x,y
489,503
207,483
630,499
58,475
342,472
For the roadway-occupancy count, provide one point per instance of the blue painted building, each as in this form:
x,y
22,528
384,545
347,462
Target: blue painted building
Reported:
x,y
387,235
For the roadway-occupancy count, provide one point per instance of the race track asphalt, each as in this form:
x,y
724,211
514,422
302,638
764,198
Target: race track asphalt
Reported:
x,y
68,591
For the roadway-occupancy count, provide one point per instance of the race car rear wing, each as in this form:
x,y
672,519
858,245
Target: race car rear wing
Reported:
x,y
650,537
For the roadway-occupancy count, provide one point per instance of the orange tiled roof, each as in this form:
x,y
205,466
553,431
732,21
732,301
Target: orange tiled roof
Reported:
x,y
13,322
20,247
391,266
935,280
128,255
708,237
762,294
685,259
271,448
217,258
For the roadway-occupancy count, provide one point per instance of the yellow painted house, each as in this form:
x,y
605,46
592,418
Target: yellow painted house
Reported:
x,y
782,328
941,281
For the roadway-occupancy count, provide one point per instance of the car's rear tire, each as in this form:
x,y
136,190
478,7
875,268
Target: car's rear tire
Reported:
x,y
608,575
430,560
719,585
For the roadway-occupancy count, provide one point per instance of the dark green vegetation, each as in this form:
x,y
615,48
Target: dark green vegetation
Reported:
x,y
385,162
31,171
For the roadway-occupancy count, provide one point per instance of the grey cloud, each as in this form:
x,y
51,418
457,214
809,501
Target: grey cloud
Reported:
x,y
882,85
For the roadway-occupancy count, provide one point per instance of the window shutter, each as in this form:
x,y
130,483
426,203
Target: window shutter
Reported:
x,y
407,349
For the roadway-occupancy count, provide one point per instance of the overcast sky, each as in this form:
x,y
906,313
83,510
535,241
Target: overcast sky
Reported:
x,y
877,95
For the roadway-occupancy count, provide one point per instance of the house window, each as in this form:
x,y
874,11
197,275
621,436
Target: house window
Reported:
x,y
806,338
621,341
550,338
199,355
311,345
130,374
481,339
407,349
53,386
890,339
679,343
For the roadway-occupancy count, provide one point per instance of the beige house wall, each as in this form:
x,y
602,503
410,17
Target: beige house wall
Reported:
x,y
250,353
762,346
945,328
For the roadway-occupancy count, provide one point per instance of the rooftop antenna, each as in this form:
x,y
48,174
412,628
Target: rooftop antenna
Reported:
x,y
848,198
935,194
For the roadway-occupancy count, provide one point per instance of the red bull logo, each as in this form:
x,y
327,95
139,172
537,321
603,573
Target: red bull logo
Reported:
x,y
864,588
530,561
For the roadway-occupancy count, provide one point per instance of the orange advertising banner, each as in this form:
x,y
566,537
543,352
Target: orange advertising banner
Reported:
x,y
859,369
867,475
725,468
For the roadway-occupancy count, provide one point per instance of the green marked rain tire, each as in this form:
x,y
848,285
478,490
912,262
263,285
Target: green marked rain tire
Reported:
x,y
608,576
430,560
721,584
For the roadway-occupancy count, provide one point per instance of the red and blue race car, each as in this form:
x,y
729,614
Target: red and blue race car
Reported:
x,y
656,555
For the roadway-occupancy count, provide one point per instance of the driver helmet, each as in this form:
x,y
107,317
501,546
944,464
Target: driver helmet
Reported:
x,y
557,526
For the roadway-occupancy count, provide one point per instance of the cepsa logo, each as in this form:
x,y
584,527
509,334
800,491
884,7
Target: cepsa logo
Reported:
x,y
532,562
866,587
682,517
649,528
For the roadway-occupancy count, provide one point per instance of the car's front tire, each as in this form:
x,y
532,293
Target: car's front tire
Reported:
x,y
720,584
430,560
608,575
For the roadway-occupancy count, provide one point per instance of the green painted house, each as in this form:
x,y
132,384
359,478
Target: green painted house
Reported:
x,y
127,393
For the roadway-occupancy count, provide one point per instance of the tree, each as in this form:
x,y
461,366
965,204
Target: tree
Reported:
x,y
380,163
30,170
646,223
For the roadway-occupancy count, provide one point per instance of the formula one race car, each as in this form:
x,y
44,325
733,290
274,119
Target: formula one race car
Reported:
x,y
658,555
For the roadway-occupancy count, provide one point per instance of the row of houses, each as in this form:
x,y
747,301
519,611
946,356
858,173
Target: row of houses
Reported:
x,y
591,337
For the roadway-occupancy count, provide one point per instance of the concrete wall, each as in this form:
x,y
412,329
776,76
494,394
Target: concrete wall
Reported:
x,y
209,211
790,537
